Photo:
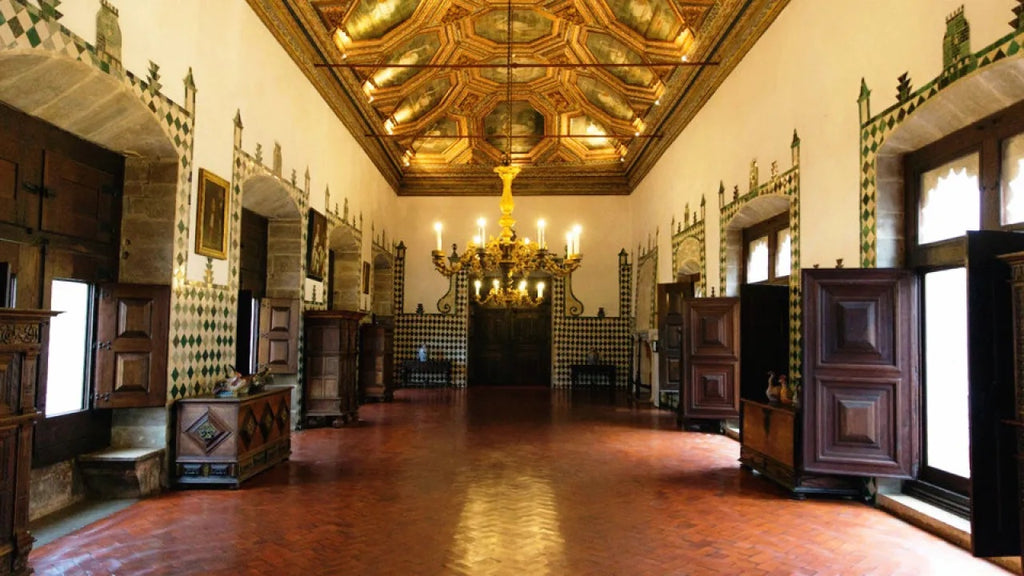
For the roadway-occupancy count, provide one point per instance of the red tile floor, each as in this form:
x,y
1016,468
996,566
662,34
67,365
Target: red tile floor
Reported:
x,y
503,481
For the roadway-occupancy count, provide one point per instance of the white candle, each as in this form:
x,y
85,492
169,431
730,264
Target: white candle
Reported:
x,y
477,284
482,231
568,244
437,228
540,233
576,231
522,287
540,290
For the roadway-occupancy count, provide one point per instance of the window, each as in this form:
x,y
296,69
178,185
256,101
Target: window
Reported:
x,y
970,180
766,251
67,381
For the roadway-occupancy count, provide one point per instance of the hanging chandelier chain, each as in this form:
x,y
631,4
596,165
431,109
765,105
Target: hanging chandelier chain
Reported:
x,y
508,88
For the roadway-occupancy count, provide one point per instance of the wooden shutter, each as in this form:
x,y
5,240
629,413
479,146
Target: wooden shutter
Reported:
x,y
995,511
860,384
131,346
279,335
78,199
711,359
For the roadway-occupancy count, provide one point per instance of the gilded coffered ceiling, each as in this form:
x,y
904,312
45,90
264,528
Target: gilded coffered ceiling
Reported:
x,y
598,91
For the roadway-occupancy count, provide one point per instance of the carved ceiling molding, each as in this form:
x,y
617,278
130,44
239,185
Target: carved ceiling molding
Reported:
x,y
469,101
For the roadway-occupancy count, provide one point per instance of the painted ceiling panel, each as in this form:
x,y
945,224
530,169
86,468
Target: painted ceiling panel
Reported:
x,y
422,84
371,19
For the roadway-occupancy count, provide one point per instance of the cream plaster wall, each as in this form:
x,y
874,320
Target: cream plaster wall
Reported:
x,y
804,74
605,221
239,66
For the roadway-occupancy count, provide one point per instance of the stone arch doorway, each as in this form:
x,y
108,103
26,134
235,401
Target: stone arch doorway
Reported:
x,y
269,259
346,263
383,285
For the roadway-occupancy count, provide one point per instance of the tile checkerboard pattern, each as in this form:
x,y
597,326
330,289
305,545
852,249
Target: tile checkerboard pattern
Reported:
x,y
874,130
447,335
786,184
573,337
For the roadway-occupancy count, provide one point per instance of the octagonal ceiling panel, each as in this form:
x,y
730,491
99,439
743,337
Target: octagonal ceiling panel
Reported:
x,y
596,132
439,137
652,19
371,19
527,127
605,97
527,26
607,50
418,50
421,101
421,84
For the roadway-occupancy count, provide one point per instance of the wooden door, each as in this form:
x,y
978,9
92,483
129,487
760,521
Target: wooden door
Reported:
x,y
995,509
670,334
131,346
278,347
510,346
711,357
860,384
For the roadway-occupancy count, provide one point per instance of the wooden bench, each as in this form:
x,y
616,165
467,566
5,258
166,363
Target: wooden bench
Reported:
x,y
122,472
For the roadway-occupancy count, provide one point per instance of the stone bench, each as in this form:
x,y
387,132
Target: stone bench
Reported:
x,y
122,472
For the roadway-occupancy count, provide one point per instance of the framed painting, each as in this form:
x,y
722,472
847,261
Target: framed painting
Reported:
x,y
212,216
316,247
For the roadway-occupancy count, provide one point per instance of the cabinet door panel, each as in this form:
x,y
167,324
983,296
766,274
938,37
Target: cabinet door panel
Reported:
x,y
860,379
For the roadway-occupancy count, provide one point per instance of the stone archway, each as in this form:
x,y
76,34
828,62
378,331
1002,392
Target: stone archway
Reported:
x,y
266,196
345,243
383,285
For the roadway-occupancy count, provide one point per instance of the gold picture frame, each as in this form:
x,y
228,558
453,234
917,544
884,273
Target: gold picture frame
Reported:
x,y
212,215
316,248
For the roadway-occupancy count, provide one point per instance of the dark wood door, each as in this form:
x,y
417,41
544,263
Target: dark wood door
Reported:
x,y
510,346
860,385
131,346
670,334
711,357
995,510
278,346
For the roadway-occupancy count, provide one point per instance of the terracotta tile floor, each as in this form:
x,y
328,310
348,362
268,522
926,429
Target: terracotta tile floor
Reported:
x,y
509,481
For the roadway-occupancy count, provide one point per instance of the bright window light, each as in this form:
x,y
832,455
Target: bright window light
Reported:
x,y
68,353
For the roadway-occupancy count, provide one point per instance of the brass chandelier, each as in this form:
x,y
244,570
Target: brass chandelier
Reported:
x,y
507,260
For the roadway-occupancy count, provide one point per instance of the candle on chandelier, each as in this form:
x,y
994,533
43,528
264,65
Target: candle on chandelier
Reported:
x,y
568,244
437,228
522,287
540,234
477,284
576,231
540,290
482,230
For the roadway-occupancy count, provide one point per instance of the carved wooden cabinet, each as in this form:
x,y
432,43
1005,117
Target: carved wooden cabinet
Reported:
x,y
376,361
22,340
331,391
228,440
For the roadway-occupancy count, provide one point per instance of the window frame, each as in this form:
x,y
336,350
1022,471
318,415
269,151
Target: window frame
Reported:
x,y
984,138
768,227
